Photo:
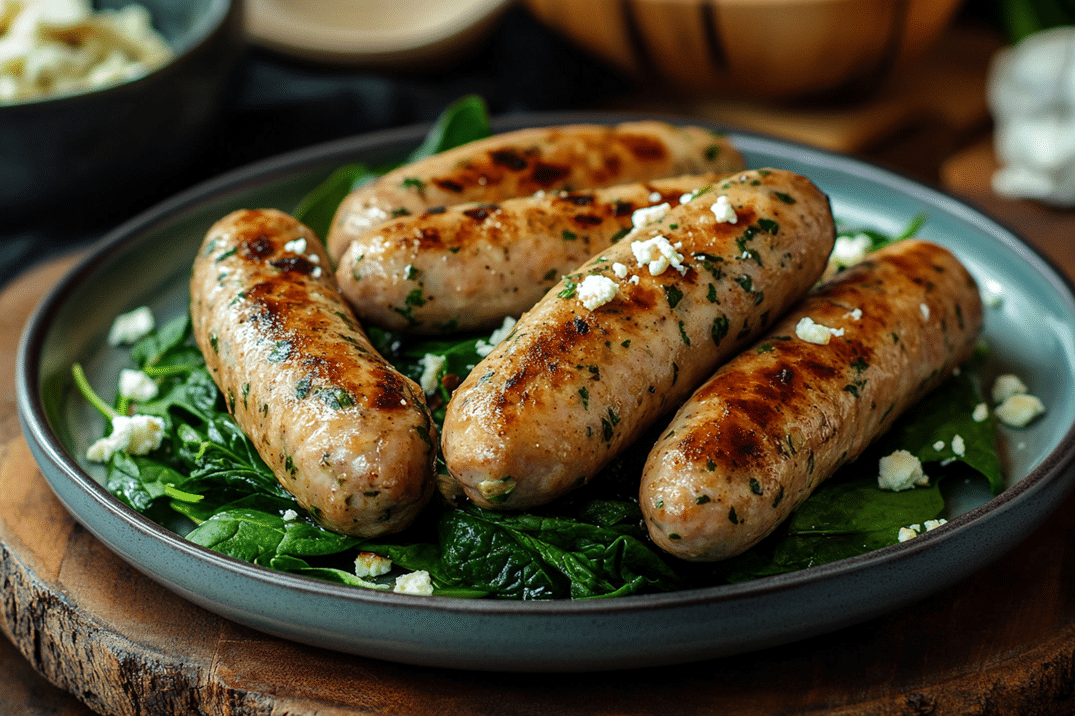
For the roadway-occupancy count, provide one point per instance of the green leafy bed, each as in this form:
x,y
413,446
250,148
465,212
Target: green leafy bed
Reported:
x,y
207,482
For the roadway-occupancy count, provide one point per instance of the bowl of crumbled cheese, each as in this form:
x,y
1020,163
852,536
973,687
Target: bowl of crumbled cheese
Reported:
x,y
101,100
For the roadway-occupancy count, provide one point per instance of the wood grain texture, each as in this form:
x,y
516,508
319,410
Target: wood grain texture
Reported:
x,y
1000,642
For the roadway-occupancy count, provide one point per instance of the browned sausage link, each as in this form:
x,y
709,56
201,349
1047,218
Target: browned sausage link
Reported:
x,y
772,424
343,431
525,161
571,386
469,266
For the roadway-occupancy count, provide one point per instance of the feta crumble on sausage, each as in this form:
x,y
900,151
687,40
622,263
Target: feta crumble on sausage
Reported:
x,y
723,211
815,333
596,291
657,254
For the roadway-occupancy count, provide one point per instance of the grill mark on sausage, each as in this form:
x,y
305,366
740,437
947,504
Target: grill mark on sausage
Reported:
x,y
509,159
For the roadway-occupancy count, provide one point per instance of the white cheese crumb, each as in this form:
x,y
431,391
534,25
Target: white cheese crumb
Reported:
x,y
685,198
723,211
297,246
900,471
854,314
596,291
134,434
619,269
934,524
913,531
647,214
1006,386
981,412
850,250
633,279
414,583
484,348
432,365
290,515
1019,409
939,445
815,333
316,273
657,254
959,446
131,326
136,385
907,533
369,564
925,311
655,196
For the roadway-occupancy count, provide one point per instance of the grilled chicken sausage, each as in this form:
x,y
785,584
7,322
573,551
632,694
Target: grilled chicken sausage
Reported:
x,y
342,430
773,423
524,161
575,382
469,266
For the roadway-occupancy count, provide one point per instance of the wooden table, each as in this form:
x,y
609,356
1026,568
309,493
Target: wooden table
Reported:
x,y
87,634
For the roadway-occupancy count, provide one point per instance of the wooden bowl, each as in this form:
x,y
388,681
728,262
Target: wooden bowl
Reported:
x,y
762,48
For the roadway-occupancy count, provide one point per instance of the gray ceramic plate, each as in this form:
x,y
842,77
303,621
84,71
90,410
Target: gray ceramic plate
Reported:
x,y
1031,330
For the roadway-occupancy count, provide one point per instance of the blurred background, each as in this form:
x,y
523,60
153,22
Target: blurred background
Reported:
x,y
901,82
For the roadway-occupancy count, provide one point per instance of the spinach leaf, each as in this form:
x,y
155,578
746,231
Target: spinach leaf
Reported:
x,y
264,537
463,121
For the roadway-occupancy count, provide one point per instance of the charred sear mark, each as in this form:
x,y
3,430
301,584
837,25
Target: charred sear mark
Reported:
x,y
508,159
546,175
449,185
256,249
293,264
645,149
586,220
623,208
480,213
389,390
429,238
579,199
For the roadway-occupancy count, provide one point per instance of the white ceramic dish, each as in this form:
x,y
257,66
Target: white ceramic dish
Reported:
x,y
147,261
381,33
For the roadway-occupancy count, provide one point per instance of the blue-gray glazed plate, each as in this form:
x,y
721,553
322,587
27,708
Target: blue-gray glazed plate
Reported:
x,y
1030,327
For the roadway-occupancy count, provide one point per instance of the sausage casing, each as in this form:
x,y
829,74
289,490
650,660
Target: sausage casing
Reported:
x,y
342,430
470,265
525,161
773,423
563,393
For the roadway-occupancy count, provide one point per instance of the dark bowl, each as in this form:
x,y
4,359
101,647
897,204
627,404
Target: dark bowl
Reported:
x,y
102,151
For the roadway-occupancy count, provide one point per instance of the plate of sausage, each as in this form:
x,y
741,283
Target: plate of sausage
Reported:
x,y
688,296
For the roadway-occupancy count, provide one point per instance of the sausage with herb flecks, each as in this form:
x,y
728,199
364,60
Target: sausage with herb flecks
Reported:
x,y
342,430
628,335
468,266
522,162
776,421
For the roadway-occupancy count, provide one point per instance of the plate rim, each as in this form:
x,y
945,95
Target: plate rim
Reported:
x,y
35,423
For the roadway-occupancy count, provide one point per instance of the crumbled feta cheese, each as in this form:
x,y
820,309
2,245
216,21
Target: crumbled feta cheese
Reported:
x,y
815,333
723,211
484,348
900,471
939,445
959,446
684,198
646,214
925,311
934,524
316,273
654,196
134,434
131,326
907,533
1007,385
633,279
596,291
657,254
136,385
432,365
912,531
297,246
414,583
1019,409
850,250
854,314
981,412
290,515
369,564
619,269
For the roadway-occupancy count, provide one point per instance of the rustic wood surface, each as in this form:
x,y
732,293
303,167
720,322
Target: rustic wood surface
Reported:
x,y
87,634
